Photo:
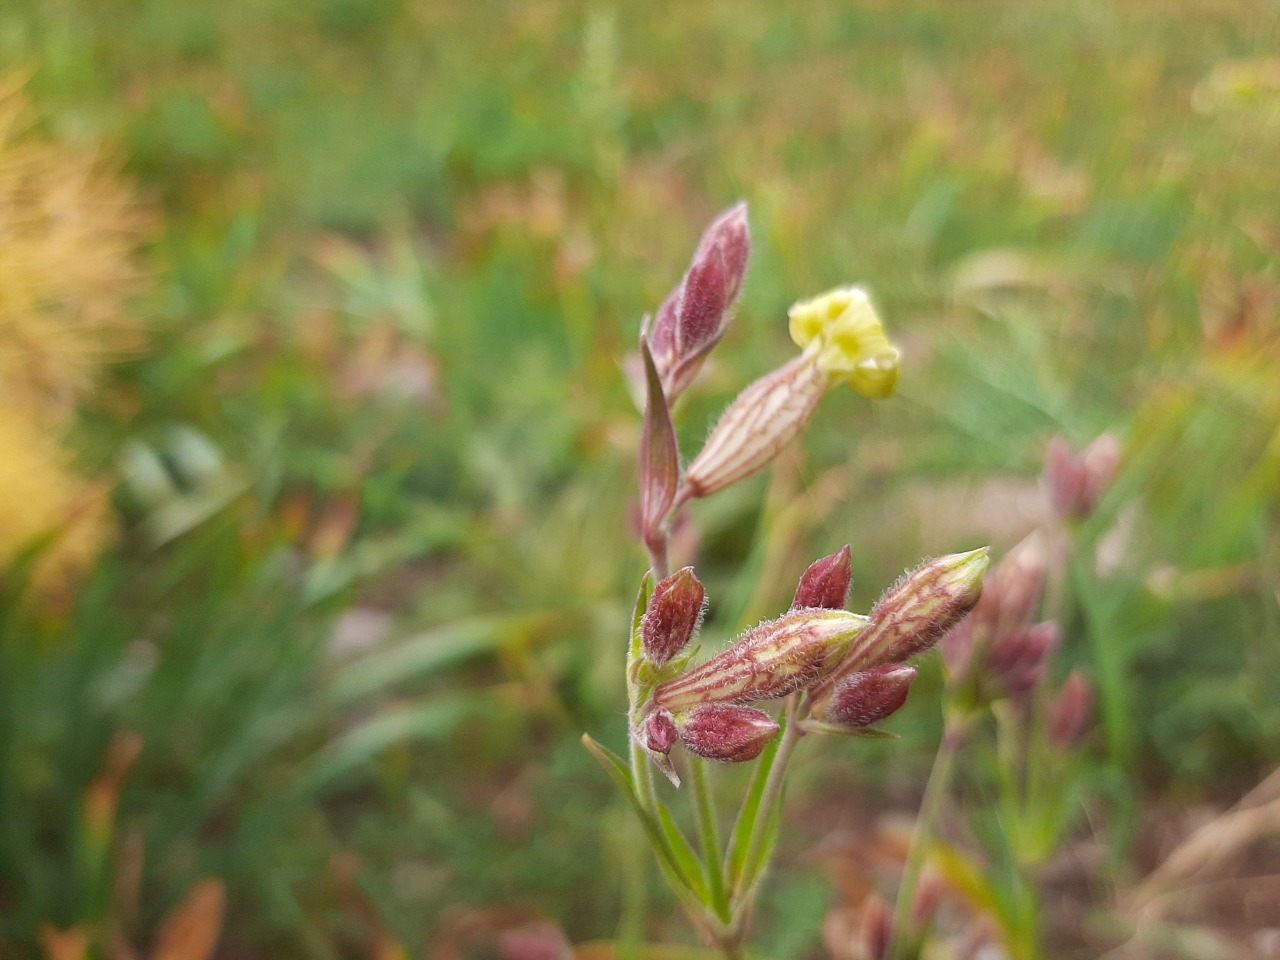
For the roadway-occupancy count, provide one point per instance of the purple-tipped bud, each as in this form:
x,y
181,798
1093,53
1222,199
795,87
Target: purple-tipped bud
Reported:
x,y
673,615
534,941
1018,662
1063,477
912,615
659,733
827,582
1101,461
695,316
770,661
728,733
756,427
877,928
1068,713
865,699
1015,590
1076,483
928,896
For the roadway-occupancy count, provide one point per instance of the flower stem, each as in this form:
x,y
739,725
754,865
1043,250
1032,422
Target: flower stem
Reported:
x,y
709,835
769,799
926,821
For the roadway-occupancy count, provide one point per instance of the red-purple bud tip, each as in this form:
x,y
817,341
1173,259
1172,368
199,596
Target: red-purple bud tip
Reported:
x,y
673,615
1074,483
1018,662
1068,713
659,733
728,733
865,699
876,928
827,582
534,941
694,317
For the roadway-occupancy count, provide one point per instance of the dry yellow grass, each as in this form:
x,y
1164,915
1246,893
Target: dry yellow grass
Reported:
x,y
69,229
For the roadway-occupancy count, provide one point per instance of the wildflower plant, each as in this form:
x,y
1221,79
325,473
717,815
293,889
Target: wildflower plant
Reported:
x,y
817,669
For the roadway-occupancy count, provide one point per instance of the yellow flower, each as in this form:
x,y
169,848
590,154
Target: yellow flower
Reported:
x,y
843,331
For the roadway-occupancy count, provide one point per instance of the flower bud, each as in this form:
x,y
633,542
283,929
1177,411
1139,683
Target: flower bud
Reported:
x,y
865,699
695,316
827,582
770,661
534,941
755,428
672,617
1068,713
877,928
1101,460
728,733
1076,483
1015,590
843,331
1063,477
912,615
1017,662
659,732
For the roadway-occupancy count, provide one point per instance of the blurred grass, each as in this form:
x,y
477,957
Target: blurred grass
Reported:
x,y
404,245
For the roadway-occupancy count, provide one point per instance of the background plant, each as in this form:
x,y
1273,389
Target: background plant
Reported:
x,y
387,277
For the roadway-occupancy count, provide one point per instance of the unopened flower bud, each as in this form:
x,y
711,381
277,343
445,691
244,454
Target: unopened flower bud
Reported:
x,y
534,941
1074,483
728,733
673,615
1015,589
770,661
1063,477
827,582
1068,713
1018,662
695,316
865,699
755,428
1101,461
928,896
877,928
843,331
912,616
659,732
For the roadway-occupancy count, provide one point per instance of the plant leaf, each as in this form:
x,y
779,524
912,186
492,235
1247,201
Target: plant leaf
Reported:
x,y
659,451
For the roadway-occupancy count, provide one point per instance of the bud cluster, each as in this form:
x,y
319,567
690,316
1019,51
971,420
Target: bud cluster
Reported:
x,y
908,619
853,667
1002,651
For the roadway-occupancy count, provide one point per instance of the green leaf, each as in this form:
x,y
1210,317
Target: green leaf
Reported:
x,y
432,720
682,883
683,851
431,650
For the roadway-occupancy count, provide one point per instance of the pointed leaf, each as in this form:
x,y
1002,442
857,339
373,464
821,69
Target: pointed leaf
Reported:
x,y
684,853
618,772
659,452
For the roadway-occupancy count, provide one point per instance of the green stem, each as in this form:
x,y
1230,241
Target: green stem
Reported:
x,y
922,838
709,836
770,798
